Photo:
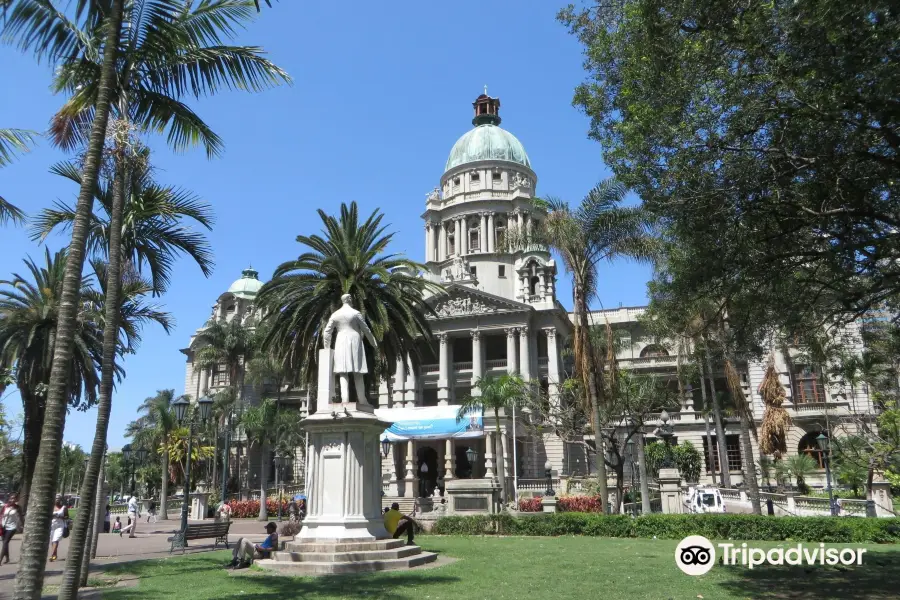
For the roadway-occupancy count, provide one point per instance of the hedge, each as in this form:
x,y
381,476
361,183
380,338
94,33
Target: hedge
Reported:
x,y
582,504
713,526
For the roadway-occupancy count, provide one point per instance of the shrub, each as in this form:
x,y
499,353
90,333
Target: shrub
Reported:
x,y
713,526
530,505
581,504
249,509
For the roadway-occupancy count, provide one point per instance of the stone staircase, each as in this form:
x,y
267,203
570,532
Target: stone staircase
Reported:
x,y
406,504
301,558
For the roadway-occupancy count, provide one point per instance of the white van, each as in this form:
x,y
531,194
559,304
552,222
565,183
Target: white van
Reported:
x,y
705,500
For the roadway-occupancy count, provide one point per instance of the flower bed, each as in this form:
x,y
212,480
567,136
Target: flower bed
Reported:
x,y
577,504
249,509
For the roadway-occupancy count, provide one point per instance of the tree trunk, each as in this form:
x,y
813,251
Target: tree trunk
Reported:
x,y
164,483
215,460
498,452
102,502
710,451
586,362
749,470
112,307
85,566
32,423
642,473
717,419
263,472
30,574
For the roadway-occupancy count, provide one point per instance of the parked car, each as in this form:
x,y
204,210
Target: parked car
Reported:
x,y
705,500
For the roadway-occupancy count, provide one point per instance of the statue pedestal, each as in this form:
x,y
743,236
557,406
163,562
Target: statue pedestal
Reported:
x,y
344,486
199,503
670,491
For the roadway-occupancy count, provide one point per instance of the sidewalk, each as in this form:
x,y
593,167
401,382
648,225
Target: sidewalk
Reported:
x,y
149,542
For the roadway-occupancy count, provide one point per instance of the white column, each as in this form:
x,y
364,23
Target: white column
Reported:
x,y
442,241
552,363
429,242
410,490
449,460
204,381
483,233
464,241
528,224
506,469
399,383
489,454
477,361
410,393
524,355
444,373
512,359
490,233
521,219
392,482
457,246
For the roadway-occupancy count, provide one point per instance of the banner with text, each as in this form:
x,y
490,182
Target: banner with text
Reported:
x,y
430,422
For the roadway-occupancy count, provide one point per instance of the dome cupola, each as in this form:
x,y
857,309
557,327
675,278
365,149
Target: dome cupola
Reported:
x,y
487,141
248,285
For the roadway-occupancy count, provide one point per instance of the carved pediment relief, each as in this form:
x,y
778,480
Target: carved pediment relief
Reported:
x,y
458,303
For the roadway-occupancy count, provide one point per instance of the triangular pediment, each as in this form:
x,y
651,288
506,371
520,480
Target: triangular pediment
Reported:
x,y
462,301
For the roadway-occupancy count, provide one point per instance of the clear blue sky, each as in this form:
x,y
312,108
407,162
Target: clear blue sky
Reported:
x,y
380,94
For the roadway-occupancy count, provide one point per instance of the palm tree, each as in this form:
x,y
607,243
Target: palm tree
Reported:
x,y
159,413
496,393
29,314
800,467
11,142
349,258
599,229
259,424
169,50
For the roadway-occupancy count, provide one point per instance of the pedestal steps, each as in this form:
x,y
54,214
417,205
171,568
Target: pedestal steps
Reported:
x,y
349,557
407,505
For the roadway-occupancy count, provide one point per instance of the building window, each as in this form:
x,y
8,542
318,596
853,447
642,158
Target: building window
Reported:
x,y
451,245
455,181
496,176
732,450
809,446
476,177
474,239
474,271
808,387
533,286
219,376
501,271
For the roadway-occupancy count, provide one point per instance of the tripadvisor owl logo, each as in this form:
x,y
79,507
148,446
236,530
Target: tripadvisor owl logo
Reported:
x,y
695,555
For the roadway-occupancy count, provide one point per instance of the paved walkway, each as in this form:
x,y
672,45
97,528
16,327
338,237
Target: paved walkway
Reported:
x,y
149,542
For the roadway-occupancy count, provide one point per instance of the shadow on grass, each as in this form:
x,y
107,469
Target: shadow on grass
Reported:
x,y
878,577
209,572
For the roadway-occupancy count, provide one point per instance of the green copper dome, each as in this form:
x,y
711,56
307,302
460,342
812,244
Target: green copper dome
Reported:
x,y
247,286
487,142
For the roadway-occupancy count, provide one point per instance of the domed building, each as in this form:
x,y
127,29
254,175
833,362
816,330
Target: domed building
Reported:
x,y
498,313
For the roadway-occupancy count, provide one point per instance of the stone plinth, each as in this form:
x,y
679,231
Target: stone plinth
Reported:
x,y
305,558
881,494
670,491
344,485
472,496
548,504
199,504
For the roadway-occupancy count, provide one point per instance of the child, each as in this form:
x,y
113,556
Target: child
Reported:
x,y
117,526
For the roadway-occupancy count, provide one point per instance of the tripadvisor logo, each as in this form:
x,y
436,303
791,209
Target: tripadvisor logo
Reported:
x,y
696,555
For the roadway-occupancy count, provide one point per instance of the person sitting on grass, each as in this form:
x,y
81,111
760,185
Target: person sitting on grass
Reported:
x,y
245,551
397,523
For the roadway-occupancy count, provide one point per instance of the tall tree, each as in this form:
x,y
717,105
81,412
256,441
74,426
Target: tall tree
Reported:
x,y
496,394
29,318
12,141
159,413
349,258
259,424
599,229
41,29
169,50
746,130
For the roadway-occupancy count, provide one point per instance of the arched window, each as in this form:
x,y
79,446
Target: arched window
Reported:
x,y
474,231
810,446
451,244
653,350
533,285
501,234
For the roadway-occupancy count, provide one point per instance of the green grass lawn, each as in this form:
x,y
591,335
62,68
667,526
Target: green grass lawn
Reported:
x,y
493,568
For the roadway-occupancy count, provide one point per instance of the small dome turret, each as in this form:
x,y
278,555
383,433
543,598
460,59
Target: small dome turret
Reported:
x,y
248,285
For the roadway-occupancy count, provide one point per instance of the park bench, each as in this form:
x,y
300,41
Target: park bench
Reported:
x,y
217,530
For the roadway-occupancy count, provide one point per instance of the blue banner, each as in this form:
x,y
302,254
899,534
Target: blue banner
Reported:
x,y
430,422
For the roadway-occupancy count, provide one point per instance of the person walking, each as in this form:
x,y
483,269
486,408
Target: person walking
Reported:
x,y
10,524
59,524
151,512
133,516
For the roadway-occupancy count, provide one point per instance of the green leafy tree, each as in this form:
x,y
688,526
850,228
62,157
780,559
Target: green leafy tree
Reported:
x,y
348,258
743,126
160,414
493,395
800,467
259,425
12,141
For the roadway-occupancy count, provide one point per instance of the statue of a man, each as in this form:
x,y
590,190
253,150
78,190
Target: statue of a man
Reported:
x,y
349,352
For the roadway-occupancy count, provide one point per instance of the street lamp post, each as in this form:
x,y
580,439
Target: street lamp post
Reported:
x,y
548,471
281,462
630,444
666,432
181,409
471,456
825,447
